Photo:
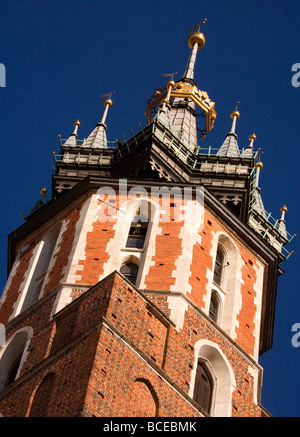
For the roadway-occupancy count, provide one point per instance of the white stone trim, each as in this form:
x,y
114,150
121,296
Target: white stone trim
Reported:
x,y
224,379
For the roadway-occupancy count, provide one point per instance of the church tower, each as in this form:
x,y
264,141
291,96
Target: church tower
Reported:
x,y
146,285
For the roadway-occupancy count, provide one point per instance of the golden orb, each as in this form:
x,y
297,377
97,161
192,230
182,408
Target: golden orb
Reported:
x,y
252,137
76,123
108,102
283,209
196,37
235,114
43,190
171,83
259,164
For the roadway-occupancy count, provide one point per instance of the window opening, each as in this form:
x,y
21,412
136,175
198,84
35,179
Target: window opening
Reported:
x,y
137,234
218,266
13,372
203,387
213,307
130,271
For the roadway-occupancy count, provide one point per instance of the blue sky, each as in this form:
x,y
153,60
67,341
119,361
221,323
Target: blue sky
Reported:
x,y
60,56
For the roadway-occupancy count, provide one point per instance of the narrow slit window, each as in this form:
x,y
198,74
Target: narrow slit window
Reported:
x,y
218,266
214,307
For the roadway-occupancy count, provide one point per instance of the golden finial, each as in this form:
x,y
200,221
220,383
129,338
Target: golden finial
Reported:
x,y
108,102
235,113
76,125
197,37
283,209
252,137
259,165
43,191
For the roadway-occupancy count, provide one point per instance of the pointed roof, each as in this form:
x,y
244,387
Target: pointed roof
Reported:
x,y
230,147
182,112
258,205
281,223
97,137
180,101
248,153
72,140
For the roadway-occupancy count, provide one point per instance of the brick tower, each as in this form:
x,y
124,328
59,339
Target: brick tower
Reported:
x,y
146,285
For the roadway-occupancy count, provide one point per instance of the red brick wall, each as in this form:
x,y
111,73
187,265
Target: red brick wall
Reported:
x,y
13,291
168,247
202,260
61,256
57,272
105,363
95,250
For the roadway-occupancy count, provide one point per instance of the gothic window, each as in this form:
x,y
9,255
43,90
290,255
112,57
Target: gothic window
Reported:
x,y
130,271
203,386
219,264
11,357
14,370
214,306
212,379
137,234
43,257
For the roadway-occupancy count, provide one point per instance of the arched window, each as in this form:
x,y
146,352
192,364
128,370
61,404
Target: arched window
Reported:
x,y
219,264
214,306
203,386
12,356
137,233
41,264
130,271
212,379
14,370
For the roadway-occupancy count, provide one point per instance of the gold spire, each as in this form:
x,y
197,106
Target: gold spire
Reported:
x,y
107,104
283,210
196,37
258,165
235,113
76,125
185,88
